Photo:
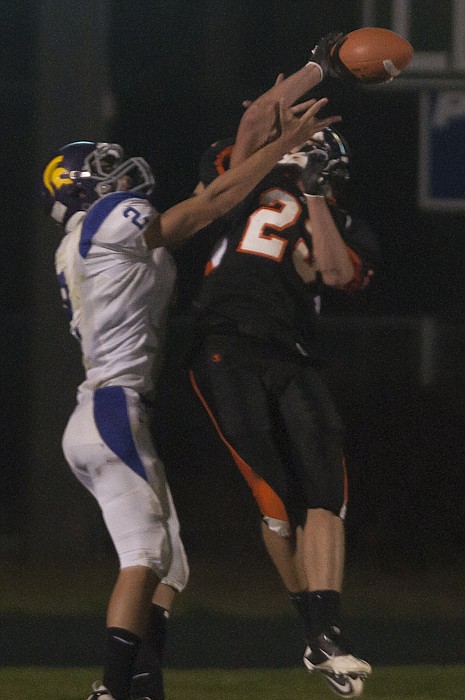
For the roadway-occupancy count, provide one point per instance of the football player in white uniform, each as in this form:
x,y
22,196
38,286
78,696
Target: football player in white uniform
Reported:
x,y
116,279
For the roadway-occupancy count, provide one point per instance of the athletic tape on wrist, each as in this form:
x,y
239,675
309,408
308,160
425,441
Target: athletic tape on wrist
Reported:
x,y
313,63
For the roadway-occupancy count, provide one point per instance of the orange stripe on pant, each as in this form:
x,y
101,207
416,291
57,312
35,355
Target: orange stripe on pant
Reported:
x,y
268,501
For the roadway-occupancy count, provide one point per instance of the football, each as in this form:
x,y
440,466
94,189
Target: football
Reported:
x,y
373,54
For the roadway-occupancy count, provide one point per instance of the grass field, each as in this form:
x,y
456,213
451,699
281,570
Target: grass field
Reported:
x,y
396,683
368,591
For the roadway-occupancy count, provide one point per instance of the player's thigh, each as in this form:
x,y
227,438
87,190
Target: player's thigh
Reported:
x,y
82,444
107,447
233,393
152,470
178,573
109,426
316,438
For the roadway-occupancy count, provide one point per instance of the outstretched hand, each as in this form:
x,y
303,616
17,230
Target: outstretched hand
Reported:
x,y
296,130
326,55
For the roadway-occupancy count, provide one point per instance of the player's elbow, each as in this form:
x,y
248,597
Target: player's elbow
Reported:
x,y
254,128
339,279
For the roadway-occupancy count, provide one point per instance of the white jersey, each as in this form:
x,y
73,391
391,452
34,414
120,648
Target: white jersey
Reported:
x,y
116,291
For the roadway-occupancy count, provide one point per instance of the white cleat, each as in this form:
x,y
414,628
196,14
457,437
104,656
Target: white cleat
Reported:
x,y
344,673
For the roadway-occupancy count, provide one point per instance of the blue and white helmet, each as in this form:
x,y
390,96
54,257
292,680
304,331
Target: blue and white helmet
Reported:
x,y
83,171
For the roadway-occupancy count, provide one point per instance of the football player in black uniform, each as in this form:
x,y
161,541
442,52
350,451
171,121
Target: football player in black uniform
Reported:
x,y
255,368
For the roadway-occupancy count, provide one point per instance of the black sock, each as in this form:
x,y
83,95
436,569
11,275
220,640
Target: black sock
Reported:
x,y
147,674
301,602
324,612
121,649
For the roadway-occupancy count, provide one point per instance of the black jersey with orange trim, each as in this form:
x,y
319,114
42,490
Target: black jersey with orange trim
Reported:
x,y
262,279
362,245
215,160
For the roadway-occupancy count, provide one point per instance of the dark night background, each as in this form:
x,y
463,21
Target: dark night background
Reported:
x,y
177,72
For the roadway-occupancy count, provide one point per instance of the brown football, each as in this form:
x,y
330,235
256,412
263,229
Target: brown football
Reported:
x,y
374,55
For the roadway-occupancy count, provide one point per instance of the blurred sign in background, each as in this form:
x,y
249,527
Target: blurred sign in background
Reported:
x,y
442,150
166,78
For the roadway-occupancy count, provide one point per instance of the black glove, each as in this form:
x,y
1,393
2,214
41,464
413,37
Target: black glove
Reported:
x,y
326,55
314,175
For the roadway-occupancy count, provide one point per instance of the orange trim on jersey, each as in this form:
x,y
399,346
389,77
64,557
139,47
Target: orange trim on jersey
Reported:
x,y
268,501
221,157
208,268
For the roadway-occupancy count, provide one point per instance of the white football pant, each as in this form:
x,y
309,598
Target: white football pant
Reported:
x,y
108,446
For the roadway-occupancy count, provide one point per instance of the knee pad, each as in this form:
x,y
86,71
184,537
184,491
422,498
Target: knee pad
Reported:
x,y
136,517
146,543
178,573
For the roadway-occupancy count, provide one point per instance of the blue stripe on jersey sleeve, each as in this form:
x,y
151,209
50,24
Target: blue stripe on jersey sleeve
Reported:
x,y
112,420
97,215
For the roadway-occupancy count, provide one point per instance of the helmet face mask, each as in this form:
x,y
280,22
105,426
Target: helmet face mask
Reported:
x,y
325,147
84,171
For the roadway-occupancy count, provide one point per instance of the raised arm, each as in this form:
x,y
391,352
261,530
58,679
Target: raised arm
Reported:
x,y
335,262
259,119
230,188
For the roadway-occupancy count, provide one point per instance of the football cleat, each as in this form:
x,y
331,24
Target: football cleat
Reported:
x,y
344,673
99,692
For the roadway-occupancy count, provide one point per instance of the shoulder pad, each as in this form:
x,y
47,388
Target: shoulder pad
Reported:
x,y
215,160
99,211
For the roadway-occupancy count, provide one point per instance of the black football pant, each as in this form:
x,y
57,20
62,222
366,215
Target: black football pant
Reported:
x,y
277,417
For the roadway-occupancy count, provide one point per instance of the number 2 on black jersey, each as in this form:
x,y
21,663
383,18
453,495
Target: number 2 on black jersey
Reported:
x,y
279,210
